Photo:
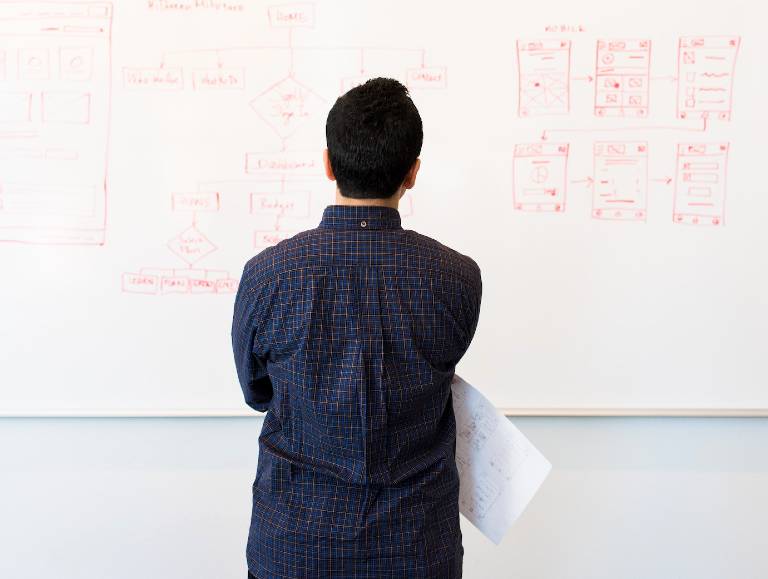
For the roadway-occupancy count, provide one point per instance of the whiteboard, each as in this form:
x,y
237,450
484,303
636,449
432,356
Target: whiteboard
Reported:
x,y
602,163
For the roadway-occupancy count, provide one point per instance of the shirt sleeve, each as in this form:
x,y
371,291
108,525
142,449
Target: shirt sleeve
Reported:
x,y
474,297
249,323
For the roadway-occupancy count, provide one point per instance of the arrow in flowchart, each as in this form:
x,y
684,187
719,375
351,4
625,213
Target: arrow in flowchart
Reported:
x,y
665,180
588,78
544,134
290,51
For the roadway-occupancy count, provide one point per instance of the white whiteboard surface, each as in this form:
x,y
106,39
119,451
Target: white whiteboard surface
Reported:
x,y
603,163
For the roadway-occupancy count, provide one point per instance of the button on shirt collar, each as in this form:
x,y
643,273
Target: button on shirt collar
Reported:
x,y
361,217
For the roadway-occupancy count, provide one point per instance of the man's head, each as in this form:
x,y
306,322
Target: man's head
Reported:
x,y
374,137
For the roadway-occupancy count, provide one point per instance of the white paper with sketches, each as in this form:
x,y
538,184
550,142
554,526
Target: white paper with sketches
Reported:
x,y
500,470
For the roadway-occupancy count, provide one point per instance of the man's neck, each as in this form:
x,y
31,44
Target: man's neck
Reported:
x,y
392,201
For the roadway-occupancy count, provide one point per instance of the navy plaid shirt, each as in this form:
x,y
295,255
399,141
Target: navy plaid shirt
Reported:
x,y
348,336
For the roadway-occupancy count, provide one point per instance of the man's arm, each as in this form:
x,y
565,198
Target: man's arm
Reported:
x,y
248,323
474,298
467,313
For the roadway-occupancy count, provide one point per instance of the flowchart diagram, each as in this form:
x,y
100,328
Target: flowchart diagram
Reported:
x,y
55,66
276,184
58,75
622,89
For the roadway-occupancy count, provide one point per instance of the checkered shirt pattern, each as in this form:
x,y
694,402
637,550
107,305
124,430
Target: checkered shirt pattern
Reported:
x,y
348,335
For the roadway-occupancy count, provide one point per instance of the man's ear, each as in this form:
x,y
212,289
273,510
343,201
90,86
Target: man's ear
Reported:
x,y
410,177
327,166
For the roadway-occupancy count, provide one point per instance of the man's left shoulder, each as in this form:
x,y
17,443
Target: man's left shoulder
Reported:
x,y
448,259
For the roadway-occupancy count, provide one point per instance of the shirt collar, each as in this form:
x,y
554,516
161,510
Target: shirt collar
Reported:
x,y
360,217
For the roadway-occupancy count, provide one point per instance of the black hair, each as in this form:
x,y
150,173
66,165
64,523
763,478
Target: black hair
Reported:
x,y
374,135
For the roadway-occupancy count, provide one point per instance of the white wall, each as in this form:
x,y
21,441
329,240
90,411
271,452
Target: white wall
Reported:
x,y
650,498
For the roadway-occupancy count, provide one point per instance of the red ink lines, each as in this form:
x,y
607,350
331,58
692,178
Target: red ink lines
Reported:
x,y
700,183
706,64
55,122
540,176
620,181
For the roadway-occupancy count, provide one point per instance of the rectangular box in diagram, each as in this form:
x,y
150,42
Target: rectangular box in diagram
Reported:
x,y
76,63
139,283
153,281
700,183
202,286
620,188
295,163
55,115
268,238
33,63
161,78
218,78
196,202
540,177
15,107
296,15
705,69
622,74
544,77
286,204
66,107
174,285
427,77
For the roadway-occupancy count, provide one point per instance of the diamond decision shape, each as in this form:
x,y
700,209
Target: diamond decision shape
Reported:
x,y
286,106
191,245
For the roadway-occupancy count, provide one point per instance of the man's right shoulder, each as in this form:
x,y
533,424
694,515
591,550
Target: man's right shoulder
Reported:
x,y
269,262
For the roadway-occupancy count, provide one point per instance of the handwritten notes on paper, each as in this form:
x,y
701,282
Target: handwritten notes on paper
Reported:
x,y
500,470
